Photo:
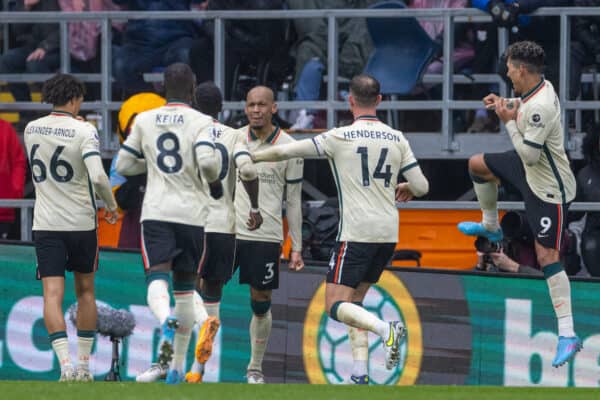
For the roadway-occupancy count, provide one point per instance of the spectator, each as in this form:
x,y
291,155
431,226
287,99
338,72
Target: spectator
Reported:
x,y
311,50
247,42
151,43
12,174
464,50
36,47
585,47
588,190
84,36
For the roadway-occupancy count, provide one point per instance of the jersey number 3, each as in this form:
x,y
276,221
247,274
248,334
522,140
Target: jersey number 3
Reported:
x,y
379,172
60,170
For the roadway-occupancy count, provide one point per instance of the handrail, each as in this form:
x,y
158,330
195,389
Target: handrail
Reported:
x,y
449,144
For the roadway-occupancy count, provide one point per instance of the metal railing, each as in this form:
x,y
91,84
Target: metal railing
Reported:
x,y
444,144
26,208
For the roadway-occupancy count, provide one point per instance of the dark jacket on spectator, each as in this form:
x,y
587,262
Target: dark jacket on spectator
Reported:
x,y
37,35
586,29
156,32
12,168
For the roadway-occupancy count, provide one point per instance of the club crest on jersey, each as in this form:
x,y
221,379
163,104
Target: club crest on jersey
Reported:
x,y
536,121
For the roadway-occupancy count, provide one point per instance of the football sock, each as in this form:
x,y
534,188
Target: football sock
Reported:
x,y
560,294
260,330
359,341
199,309
213,309
60,344
158,299
487,195
358,317
85,341
185,314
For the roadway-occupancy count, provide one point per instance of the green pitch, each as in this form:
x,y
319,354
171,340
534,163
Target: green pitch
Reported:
x,y
234,391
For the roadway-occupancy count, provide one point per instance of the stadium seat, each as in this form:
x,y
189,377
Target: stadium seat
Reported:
x,y
402,51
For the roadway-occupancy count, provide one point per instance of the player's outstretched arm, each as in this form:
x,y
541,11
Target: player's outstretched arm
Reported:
x,y
102,185
300,149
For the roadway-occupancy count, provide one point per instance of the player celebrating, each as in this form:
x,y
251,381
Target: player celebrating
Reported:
x,y
366,159
64,156
258,251
173,142
539,169
217,264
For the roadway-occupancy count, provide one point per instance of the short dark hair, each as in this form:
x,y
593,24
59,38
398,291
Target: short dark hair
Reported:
x,y
528,53
179,81
62,88
365,89
208,99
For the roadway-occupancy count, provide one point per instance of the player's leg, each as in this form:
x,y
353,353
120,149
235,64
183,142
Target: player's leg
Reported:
x,y
83,261
86,323
547,222
215,269
51,254
183,290
260,331
359,342
485,185
190,243
158,249
259,267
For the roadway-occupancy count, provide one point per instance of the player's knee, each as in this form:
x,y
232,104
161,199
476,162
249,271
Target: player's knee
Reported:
x,y
477,166
260,308
333,310
211,291
153,275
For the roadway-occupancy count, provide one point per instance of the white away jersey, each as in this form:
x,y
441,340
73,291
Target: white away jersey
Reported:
x,y
230,144
56,147
273,176
165,137
366,159
538,120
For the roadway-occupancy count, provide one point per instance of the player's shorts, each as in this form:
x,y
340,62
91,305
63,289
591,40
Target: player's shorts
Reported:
x,y
60,251
546,220
258,263
352,263
219,254
168,241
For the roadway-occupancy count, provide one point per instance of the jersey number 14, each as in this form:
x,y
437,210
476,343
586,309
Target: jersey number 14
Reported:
x,y
382,170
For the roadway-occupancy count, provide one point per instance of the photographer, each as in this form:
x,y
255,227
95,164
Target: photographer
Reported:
x,y
516,252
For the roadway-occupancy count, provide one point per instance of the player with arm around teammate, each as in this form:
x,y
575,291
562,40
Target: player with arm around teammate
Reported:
x,y
216,267
539,168
64,154
165,141
366,159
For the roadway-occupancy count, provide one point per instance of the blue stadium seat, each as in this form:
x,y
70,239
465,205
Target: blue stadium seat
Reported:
x,y
402,51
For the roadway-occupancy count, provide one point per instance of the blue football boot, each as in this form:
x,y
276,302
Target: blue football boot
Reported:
x,y
477,229
175,377
167,336
359,380
566,349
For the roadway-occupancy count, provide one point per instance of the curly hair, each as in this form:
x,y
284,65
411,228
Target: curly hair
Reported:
x,y
62,88
528,53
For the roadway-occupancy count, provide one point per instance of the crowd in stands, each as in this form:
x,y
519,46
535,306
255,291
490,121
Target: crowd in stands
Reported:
x,y
290,52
